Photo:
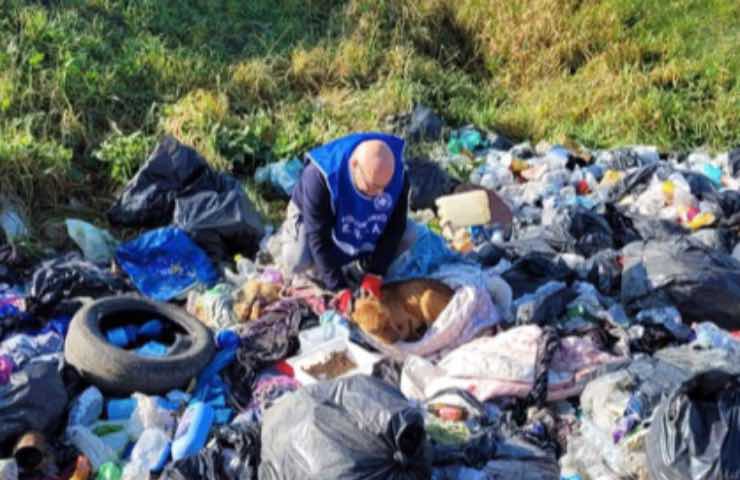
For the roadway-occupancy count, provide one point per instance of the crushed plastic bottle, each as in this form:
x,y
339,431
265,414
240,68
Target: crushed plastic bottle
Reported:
x,y
150,454
90,445
86,408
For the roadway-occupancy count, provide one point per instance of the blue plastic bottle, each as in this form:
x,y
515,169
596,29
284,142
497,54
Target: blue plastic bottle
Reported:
x,y
192,431
122,337
121,408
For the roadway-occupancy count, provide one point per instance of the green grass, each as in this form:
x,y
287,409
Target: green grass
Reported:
x,y
86,87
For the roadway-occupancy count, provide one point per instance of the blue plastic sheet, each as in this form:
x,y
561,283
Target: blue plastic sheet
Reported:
x,y
282,175
165,263
426,255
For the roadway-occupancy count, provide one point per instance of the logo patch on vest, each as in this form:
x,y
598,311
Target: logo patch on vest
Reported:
x,y
383,201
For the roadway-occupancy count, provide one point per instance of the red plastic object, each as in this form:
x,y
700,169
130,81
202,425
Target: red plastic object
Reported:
x,y
372,284
582,187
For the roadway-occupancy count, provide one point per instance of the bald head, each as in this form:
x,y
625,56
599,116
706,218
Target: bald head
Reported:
x,y
373,166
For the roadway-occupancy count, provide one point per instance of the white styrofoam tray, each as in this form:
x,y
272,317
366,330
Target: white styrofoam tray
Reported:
x,y
362,358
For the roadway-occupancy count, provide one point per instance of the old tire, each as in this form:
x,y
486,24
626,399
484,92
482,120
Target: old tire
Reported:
x,y
121,372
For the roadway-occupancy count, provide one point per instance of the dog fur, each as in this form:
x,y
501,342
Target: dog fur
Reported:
x,y
253,297
406,310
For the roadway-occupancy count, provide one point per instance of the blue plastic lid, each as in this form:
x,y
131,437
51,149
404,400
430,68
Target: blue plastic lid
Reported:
x,y
152,349
151,329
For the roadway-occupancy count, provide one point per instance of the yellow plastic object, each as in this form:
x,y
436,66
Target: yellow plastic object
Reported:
x,y
611,177
704,219
668,190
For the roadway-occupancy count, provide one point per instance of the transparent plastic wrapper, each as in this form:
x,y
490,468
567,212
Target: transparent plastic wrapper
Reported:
x,y
11,221
150,454
214,307
97,245
149,414
709,335
91,446
8,470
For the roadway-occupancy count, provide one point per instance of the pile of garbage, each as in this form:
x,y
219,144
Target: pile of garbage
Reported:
x,y
592,334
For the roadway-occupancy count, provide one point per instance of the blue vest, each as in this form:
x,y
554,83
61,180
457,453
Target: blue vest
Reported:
x,y
360,220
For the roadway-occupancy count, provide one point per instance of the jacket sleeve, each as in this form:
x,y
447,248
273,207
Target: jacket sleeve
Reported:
x,y
318,220
390,239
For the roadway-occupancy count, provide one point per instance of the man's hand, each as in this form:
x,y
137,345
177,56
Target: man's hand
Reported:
x,y
342,302
371,284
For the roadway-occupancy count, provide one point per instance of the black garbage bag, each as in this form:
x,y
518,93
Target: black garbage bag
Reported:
x,y
212,207
634,182
55,283
695,433
534,270
173,170
579,230
623,159
34,399
222,223
631,227
702,283
427,182
232,453
351,428
420,124
604,271
733,158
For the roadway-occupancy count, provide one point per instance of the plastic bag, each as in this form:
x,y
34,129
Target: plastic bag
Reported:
x,y
150,454
282,175
696,430
222,223
55,283
97,245
11,222
427,254
703,284
214,307
149,415
165,263
427,182
350,428
35,398
233,453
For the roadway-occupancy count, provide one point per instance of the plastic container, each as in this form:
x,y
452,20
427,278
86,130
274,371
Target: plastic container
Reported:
x,y
122,337
192,432
464,209
86,408
90,445
313,338
359,356
227,339
151,329
152,349
8,469
121,408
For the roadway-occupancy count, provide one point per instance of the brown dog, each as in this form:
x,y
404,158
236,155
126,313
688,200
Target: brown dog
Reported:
x,y
253,297
405,312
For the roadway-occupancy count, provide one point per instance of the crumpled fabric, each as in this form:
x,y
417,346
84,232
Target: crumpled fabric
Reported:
x,y
469,313
270,338
268,388
56,281
24,348
504,366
